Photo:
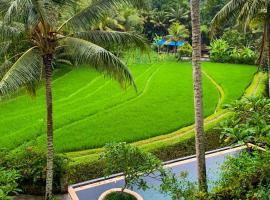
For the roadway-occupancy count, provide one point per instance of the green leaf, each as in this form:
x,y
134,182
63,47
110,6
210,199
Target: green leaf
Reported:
x,y
123,40
84,52
95,12
25,72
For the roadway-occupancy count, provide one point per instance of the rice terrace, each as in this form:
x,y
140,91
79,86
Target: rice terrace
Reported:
x,y
91,110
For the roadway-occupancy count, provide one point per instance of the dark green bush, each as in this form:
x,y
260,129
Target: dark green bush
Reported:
x,y
234,38
222,51
31,165
244,177
8,183
132,161
184,51
119,196
249,124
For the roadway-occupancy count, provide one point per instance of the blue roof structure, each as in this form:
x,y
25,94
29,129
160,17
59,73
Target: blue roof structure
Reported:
x,y
161,42
170,43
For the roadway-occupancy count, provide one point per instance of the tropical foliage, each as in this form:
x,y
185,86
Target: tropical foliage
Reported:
x,y
137,165
222,51
119,196
244,13
252,172
133,162
250,123
178,32
8,183
184,51
32,179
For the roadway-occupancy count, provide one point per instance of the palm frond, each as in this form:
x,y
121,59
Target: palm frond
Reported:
x,y
4,46
4,67
122,40
252,9
84,52
92,14
231,9
10,32
25,72
64,2
4,5
33,11
17,9
47,11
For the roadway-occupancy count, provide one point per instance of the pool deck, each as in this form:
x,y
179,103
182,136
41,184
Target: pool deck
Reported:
x,y
96,187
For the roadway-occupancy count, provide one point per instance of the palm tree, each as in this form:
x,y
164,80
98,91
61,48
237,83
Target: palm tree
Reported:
x,y
198,99
180,13
125,19
53,35
177,31
244,12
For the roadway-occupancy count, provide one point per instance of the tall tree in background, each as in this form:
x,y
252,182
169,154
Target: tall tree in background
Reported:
x,y
52,37
244,12
198,96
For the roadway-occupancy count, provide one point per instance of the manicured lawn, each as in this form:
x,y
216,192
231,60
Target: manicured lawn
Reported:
x,y
90,110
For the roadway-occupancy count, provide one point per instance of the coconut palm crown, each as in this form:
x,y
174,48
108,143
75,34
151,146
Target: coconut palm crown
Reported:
x,y
48,32
54,31
244,11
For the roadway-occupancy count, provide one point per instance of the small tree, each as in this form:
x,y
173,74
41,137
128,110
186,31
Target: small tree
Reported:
x,y
134,163
137,164
178,32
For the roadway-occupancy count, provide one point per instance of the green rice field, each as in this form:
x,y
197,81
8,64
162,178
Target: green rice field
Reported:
x,y
91,110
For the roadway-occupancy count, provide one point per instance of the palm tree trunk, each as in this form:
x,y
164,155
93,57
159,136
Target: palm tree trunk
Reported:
x,y
268,45
47,59
198,99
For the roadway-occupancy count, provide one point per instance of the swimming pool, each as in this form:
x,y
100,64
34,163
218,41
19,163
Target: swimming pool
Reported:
x,y
92,190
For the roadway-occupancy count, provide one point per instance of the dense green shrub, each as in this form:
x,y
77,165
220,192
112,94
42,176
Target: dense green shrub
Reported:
x,y
31,165
119,196
155,44
224,52
177,186
220,51
137,164
249,124
253,177
133,162
247,56
8,183
184,51
237,39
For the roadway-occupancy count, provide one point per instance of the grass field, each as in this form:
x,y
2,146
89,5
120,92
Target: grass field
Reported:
x,y
90,110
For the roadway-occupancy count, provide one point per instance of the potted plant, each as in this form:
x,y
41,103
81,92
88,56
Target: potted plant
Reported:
x,y
134,163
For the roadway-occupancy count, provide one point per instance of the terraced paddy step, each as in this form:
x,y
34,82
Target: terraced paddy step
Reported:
x,y
90,111
256,88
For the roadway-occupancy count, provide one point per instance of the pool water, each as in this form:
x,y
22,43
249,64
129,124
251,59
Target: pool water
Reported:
x,y
93,189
